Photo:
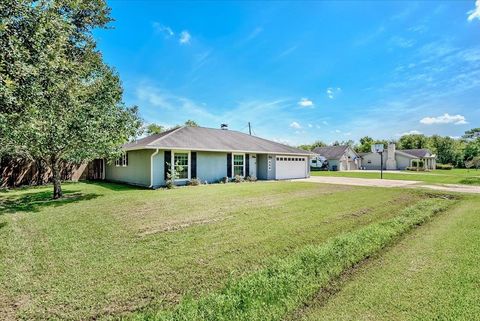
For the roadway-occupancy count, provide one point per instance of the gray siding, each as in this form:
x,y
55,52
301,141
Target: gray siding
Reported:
x,y
136,173
333,162
159,169
374,159
211,166
402,161
262,172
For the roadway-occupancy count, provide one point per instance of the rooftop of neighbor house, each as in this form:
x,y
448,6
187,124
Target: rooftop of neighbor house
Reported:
x,y
331,152
212,139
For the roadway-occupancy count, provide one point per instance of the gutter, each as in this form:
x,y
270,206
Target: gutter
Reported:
x,y
151,168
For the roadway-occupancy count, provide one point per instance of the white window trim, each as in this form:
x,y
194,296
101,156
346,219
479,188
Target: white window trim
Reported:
x,y
122,160
233,163
172,164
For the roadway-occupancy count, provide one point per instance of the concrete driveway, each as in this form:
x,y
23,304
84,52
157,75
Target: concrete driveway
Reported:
x,y
390,183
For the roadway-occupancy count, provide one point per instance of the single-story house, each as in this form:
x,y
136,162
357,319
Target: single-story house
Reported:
x,y
340,158
394,159
206,154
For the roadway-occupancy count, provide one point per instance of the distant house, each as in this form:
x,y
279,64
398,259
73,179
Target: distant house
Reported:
x,y
394,159
207,154
340,158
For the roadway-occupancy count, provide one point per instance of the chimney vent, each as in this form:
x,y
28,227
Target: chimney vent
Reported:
x,y
224,126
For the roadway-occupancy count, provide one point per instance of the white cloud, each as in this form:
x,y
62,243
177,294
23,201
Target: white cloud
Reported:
x,y
333,92
305,102
444,119
325,122
338,131
412,132
185,37
295,125
167,31
401,42
474,13
310,125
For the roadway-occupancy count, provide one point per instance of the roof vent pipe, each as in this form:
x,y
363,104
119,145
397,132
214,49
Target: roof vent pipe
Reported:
x,y
224,126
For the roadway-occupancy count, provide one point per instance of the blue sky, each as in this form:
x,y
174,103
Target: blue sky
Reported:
x,y
301,71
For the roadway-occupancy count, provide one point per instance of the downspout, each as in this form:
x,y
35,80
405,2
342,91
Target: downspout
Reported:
x,y
151,168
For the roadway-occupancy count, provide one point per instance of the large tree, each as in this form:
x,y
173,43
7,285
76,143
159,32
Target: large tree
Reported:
x,y
59,100
413,141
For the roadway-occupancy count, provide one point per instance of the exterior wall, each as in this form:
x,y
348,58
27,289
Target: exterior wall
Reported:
x,y
402,161
211,166
253,165
374,159
262,166
158,169
332,163
136,173
271,166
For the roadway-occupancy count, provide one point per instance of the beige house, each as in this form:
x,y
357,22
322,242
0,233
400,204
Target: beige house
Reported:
x,y
340,158
394,159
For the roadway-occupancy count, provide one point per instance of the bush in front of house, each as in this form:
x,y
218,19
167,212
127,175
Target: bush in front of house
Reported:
x,y
417,163
194,182
238,179
169,184
444,166
415,169
251,178
224,180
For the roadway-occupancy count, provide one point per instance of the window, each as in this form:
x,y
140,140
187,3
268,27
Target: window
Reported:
x,y
181,165
122,160
238,164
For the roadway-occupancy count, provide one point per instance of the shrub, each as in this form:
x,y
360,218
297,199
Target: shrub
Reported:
x,y
417,163
444,166
169,184
415,169
251,178
194,182
224,180
239,179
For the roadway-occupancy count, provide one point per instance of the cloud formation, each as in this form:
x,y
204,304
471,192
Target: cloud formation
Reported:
x,y
185,37
305,102
295,125
444,119
333,92
474,13
167,31
412,132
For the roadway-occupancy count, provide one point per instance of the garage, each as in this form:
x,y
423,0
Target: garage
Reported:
x,y
287,167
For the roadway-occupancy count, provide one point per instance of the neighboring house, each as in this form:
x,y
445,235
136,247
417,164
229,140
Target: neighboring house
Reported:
x,y
398,159
340,158
207,154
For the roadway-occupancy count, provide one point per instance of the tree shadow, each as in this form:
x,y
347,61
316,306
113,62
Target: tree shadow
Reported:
x,y
35,201
113,186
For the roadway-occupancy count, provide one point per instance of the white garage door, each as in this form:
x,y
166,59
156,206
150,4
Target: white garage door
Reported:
x,y
287,167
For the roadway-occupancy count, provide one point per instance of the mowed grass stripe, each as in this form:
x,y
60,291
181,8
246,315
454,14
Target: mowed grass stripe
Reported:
x,y
272,292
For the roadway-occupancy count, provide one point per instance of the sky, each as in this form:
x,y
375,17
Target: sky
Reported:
x,y
301,71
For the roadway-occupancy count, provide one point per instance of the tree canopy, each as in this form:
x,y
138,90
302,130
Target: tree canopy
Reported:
x,y
153,129
60,101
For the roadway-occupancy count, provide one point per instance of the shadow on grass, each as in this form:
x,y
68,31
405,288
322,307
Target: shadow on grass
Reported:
x,y
113,186
471,181
35,201
2,225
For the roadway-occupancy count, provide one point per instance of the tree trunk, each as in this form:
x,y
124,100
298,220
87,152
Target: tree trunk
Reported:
x,y
57,186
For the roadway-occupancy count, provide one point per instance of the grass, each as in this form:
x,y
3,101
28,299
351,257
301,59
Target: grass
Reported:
x,y
285,284
432,274
454,176
108,249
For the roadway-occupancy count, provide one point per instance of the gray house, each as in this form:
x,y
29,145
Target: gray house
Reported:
x,y
207,154
340,158
394,159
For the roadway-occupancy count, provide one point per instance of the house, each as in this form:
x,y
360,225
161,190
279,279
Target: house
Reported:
x,y
394,159
207,154
340,158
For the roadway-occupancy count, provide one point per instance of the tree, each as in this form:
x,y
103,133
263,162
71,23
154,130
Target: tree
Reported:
x,y
472,149
315,144
413,141
473,163
191,123
365,144
153,129
60,101
472,133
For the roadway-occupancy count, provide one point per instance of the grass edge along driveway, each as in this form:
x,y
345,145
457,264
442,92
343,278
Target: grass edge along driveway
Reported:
x,y
271,293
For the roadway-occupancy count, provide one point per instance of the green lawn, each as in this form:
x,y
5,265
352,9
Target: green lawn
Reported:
x,y
432,274
109,249
454,176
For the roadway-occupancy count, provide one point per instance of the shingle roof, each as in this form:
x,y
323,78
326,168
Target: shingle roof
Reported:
x,y
210,139
331,152
422,152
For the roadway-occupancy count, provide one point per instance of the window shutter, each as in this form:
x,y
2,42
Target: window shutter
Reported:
x,y
247,165
229,165
167,160
193,166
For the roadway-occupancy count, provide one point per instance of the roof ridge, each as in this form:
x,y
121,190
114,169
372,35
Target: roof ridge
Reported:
x,y
174,130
